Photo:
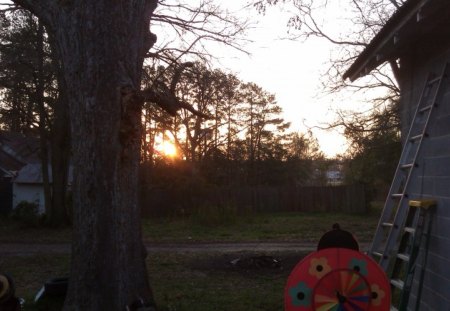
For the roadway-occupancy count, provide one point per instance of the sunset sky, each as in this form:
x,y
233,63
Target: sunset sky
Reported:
x,y
291,70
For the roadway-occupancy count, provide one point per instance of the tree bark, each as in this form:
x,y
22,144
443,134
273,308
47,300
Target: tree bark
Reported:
x,y
102,44
60,140
42,119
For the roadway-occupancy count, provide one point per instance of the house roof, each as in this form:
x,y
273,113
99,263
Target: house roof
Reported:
x,y
422,22
32,174
16,150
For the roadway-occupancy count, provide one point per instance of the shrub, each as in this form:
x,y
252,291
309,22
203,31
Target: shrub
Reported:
x,y
26,213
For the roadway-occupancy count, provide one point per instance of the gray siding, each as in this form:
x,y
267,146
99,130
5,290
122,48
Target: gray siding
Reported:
x,y
432,179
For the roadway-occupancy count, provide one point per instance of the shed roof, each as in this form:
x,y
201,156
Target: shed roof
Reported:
x,y
423,22
32,174
17,150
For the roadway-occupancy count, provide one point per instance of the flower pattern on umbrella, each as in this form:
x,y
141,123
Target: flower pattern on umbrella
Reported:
x,y
358,265
377,294
300,295
337,279
319,267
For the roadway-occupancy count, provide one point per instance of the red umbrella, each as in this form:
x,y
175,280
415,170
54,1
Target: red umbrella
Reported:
x,y
337,279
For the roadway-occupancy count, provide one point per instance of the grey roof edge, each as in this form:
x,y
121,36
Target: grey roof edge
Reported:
x,y
32,174
367,60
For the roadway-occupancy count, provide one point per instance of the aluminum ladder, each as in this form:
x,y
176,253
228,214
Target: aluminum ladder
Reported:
x,y
399,221
405,264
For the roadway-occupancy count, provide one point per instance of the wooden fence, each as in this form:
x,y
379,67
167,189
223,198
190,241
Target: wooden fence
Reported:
x,y
163,202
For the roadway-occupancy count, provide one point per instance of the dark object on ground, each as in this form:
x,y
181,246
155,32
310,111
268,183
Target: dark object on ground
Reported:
x,y
51,296
338,238
256,262
140,305
8,302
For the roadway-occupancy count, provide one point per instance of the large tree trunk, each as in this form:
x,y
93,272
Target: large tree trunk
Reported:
x,y
60,142
102,44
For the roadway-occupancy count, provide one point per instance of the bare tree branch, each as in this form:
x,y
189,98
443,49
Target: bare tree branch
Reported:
x,y
165,97
43,9
190,26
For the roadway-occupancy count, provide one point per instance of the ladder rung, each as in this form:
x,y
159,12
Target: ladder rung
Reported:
x,y
425,108
377,254
387,224
412,139
409,229
434,80
404,257
405,166
396,195
397,283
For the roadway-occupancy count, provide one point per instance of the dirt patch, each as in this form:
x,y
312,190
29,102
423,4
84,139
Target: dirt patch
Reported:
x,y
250,263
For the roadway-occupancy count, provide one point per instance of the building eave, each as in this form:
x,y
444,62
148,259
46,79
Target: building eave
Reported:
x,y
411,23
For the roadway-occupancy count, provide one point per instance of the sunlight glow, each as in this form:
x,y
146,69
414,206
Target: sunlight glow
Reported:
x,y
168,149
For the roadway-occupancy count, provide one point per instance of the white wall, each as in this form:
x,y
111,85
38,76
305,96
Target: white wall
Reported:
x,y
33,193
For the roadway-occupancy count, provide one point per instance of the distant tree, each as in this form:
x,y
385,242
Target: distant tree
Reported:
x,y
19,73
245,136
263,122
32,102
374,155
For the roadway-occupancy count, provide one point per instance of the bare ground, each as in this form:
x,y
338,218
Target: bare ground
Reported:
x,y
27,249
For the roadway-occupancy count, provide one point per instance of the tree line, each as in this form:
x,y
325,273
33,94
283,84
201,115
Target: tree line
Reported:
x,y
243,139
236,135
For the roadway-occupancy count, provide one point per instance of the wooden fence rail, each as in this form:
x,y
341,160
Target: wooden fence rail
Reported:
x,y
349,198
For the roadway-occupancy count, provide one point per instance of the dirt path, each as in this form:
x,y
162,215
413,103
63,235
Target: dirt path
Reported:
x,y
24,249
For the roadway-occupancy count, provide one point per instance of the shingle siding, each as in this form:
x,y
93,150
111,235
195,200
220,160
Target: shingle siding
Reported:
x,y
433,301
431,178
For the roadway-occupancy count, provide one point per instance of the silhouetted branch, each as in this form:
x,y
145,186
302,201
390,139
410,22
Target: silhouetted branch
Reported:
x,y
190,26
165,97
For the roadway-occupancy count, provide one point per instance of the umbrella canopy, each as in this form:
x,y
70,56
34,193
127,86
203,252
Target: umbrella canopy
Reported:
x,y
337,279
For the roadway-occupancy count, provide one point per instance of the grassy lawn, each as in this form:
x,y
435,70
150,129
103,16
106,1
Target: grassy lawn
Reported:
x,y
30,272
194,281
302,227
208,282
189,281
16,232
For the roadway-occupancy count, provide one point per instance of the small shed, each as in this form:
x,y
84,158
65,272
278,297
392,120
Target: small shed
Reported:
x,y
417,38
28,185
16,150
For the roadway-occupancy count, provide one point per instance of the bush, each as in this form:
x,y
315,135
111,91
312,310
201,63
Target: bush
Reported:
x,y
26,213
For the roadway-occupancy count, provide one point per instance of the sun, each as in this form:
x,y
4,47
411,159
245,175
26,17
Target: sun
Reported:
x,y
169,149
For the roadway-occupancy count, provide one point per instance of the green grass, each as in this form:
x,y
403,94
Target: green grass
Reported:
x,y
301,227
15,232
180,282
304,227
194,281
30,272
